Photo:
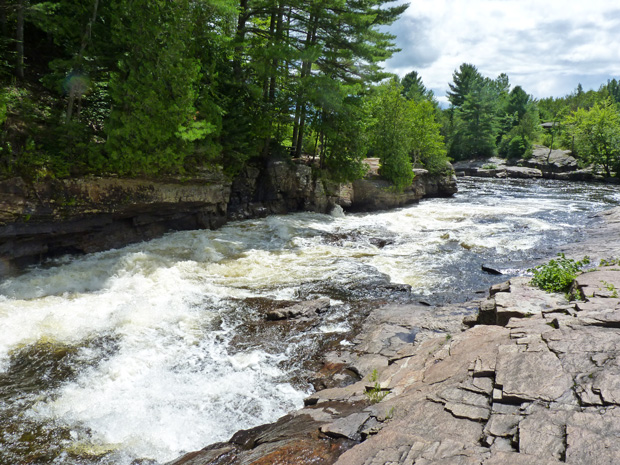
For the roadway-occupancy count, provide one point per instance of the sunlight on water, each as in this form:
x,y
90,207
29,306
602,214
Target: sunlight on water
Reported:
x,y
154,373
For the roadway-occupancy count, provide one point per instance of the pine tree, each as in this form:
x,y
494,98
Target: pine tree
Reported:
x,y
153,90
465,80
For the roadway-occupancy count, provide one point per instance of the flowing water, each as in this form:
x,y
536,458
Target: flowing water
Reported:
x,y
139,354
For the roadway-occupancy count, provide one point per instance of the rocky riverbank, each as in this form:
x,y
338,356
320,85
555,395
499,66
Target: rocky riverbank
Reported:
x,y
522,377
47,219
543,163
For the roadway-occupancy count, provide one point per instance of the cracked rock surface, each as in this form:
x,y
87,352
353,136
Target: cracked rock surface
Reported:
x,y
540,387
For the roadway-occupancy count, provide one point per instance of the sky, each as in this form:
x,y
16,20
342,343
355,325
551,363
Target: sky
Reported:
x,y
547,47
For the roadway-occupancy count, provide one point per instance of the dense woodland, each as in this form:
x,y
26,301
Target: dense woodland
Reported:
x,y
136,87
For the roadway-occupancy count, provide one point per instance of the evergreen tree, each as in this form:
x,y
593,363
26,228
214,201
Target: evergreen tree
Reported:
x,y
464,81
153,119
476,125
414,89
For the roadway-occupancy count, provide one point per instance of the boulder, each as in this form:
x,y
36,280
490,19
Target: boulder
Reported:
x,y
550,161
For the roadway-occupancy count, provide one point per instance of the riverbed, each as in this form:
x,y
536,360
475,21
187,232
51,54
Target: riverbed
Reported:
x,y
155,349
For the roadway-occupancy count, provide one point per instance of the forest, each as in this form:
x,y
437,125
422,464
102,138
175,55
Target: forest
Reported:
x,y
157,88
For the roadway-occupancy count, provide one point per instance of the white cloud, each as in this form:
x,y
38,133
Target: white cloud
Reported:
x,y
546,47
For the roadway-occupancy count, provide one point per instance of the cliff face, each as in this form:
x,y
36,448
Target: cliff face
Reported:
x,y
52,218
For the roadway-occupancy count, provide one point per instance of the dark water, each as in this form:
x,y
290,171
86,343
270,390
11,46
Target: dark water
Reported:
x,y
160,348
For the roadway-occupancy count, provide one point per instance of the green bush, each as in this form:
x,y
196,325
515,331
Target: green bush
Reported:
x,y
514,146
558,274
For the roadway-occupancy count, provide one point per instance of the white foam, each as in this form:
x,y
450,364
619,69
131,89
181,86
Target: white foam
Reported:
x,y
168,382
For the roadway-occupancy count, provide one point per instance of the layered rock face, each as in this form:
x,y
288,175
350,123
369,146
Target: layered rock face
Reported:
x,y
47,219
52,218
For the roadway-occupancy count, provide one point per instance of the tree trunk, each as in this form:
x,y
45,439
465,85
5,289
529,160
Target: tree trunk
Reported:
x,y
4,23
305,71
77,90
19,38
239,38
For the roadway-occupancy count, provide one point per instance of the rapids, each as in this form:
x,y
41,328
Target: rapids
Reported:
x,y
152,350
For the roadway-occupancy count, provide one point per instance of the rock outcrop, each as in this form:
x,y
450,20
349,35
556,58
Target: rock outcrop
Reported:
x,y
374,193
535,382
47,219
543,163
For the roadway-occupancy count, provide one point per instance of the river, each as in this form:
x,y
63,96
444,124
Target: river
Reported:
x,y
139,354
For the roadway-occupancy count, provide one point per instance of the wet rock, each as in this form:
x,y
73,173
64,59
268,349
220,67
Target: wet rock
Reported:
x,y
334,375
308,308
540,390
490,270
523,172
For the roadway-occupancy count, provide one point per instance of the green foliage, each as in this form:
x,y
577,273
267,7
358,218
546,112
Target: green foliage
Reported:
x,y
609,262
376,394
345,141
465,80
154,88
611,288
427,143
475,124
414,89
558,274
597,135
390,134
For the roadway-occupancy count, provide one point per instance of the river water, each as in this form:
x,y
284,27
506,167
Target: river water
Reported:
x,y
139,354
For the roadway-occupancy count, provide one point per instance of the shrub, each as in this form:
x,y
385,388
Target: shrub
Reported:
x,y
558,274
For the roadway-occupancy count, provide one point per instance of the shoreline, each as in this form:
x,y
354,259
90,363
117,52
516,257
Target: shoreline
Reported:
x,y
78,216
489,394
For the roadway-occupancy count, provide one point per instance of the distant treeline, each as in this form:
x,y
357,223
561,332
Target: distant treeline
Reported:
x,y
137,87
487,118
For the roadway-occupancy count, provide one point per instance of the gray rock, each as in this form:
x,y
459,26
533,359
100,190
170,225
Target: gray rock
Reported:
x,y
502,425
607,385
604,282
554,161
348,427
502,287
307,308
512,458
523,301
543,434
523,172
592,438
528,376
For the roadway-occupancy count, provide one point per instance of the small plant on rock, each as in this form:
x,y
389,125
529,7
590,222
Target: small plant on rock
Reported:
x,y
375,394
558,274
